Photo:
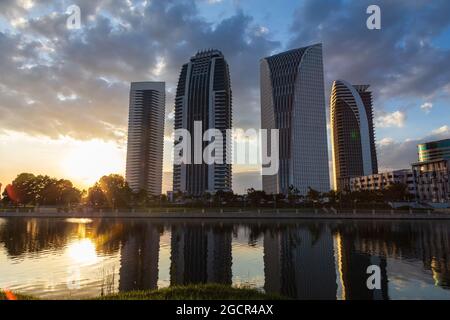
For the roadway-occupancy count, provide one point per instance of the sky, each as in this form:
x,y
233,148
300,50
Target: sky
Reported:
x,y
64,92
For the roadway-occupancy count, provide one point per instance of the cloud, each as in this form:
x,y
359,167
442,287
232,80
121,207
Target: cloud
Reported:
x,y
426,107
124,41
393,119
400,60
444,130
400,155
78,80
386,142
75,83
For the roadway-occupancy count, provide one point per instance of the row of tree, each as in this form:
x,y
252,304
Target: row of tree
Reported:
x,y
28,189
40,190
113,192
259,198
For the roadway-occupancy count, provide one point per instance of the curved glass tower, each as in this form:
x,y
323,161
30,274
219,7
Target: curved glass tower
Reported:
x,y
352,133
293,101
204,94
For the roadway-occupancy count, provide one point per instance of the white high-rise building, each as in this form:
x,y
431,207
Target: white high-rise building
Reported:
x,y
146,137
293,101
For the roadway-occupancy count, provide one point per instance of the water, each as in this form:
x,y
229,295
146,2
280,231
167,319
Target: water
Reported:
x,y
82,258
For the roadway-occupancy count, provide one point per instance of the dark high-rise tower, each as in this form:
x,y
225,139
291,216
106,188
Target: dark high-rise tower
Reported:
x,y
352,133
204,94
293,101
146,137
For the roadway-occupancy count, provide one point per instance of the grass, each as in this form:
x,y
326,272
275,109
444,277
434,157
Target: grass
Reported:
x,y
8,295
195,292
189,292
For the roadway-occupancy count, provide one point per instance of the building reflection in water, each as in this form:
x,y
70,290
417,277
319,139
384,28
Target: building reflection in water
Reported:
x,y
428,242
299,263
352,269
308,260
200,254
139,256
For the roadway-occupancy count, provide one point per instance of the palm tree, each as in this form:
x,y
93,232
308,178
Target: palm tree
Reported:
x,y
293,194
313,195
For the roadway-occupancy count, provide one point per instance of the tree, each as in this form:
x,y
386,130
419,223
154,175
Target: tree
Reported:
x,y
28,189
397,192
111,191
313,195
22,190
68,194
293,194
141,198
223,196
255,197
96,197
333,196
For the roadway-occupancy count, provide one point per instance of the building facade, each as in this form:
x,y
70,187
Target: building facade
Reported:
x,y
146,137
204,95
431,173
381,181
432,180
293,101
434,150
352,133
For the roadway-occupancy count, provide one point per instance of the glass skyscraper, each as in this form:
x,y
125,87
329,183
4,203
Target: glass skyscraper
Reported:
x,y
293,101
204,94
352,133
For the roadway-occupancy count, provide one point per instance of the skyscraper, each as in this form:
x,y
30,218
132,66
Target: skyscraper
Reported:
x,y
146,137
204,94
352,133
293,101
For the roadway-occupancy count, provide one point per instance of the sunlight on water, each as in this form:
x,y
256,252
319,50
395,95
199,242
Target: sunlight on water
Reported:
x,y
79,220
82,252
81,258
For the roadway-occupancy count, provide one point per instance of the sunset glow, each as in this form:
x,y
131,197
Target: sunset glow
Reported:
x,y
86,162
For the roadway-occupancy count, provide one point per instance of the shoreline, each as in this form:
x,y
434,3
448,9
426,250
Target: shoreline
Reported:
x,y
240,215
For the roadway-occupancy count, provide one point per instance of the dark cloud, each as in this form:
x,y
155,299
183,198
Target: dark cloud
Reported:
x,y
118,44
400,60
42,61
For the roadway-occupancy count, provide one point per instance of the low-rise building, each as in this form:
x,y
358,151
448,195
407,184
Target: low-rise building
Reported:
x,y
432,180
381,181
428,179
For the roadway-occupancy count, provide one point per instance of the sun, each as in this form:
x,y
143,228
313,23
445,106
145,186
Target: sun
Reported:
x,y
87,161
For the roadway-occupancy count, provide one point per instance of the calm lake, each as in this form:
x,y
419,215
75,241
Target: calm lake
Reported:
x,y
82,258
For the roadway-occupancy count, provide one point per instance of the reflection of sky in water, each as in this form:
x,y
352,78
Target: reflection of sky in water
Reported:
x,y
409,280
248,264
79,258
50,274
164,260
